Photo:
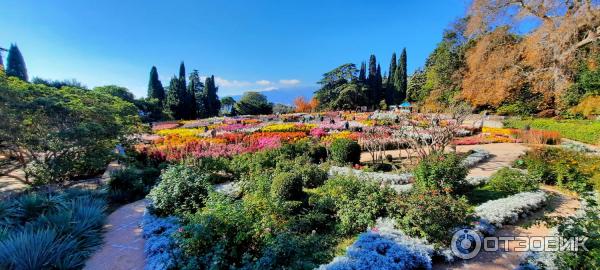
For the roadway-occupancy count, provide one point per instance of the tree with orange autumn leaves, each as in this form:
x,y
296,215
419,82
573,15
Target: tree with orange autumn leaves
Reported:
x,y
302,105
495,64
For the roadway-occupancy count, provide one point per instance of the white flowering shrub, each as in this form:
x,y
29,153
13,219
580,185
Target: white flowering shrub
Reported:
x,y
475,158
508,210
160,248
477,180
381,178
384,248
232,189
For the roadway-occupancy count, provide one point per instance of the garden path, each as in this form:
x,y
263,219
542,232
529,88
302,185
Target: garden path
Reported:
x,y
123,247
561,204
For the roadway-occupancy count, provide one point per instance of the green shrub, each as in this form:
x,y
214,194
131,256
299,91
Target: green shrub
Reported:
x,y
287,186
180,190
441,172
312,175
512,181
356,204
317,153
126,185
345,151
565,168
433,216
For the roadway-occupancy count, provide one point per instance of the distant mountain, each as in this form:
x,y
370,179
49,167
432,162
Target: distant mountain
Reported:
x,y
286,95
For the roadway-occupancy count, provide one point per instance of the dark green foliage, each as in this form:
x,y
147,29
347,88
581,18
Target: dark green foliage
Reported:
x,y
175,100
287,186
432,215
511,181
131,184
50,231
74,130
390,87
15,64
441,172
253,103
125,185
57,83
401,79
180,190
212,104
182,73
345,151
116,91
587,82
155,87
317,153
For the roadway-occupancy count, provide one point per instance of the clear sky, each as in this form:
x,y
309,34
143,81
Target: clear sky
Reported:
x,y
247,45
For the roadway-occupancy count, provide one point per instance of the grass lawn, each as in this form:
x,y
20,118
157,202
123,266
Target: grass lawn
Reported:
x,y
587,131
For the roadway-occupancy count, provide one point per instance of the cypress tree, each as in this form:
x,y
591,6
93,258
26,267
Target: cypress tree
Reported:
x,y
213,104
402,82
362,75
182,73
155,87
175,100
380,92
15,64
390,89
195,89
372,81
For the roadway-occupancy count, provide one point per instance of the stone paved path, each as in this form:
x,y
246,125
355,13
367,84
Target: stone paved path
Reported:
x,y
123,247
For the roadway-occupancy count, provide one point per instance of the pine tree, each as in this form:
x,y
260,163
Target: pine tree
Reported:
x,y
402,82
155,87
15,64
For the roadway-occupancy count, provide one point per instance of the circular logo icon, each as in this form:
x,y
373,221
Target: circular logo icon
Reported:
x,y
466,243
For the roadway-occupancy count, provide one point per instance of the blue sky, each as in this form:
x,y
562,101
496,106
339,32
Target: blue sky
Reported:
x,y
247,45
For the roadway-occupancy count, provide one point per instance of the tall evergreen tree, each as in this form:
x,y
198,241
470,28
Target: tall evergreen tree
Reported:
x,y
380,92
15,64
196,89
213,104
182,73
155,87
402,81
390,88
373,91
362,75
175,100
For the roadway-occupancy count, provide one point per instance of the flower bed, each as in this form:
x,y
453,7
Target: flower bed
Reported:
x,y
384,247
508,210
160,248
381,178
